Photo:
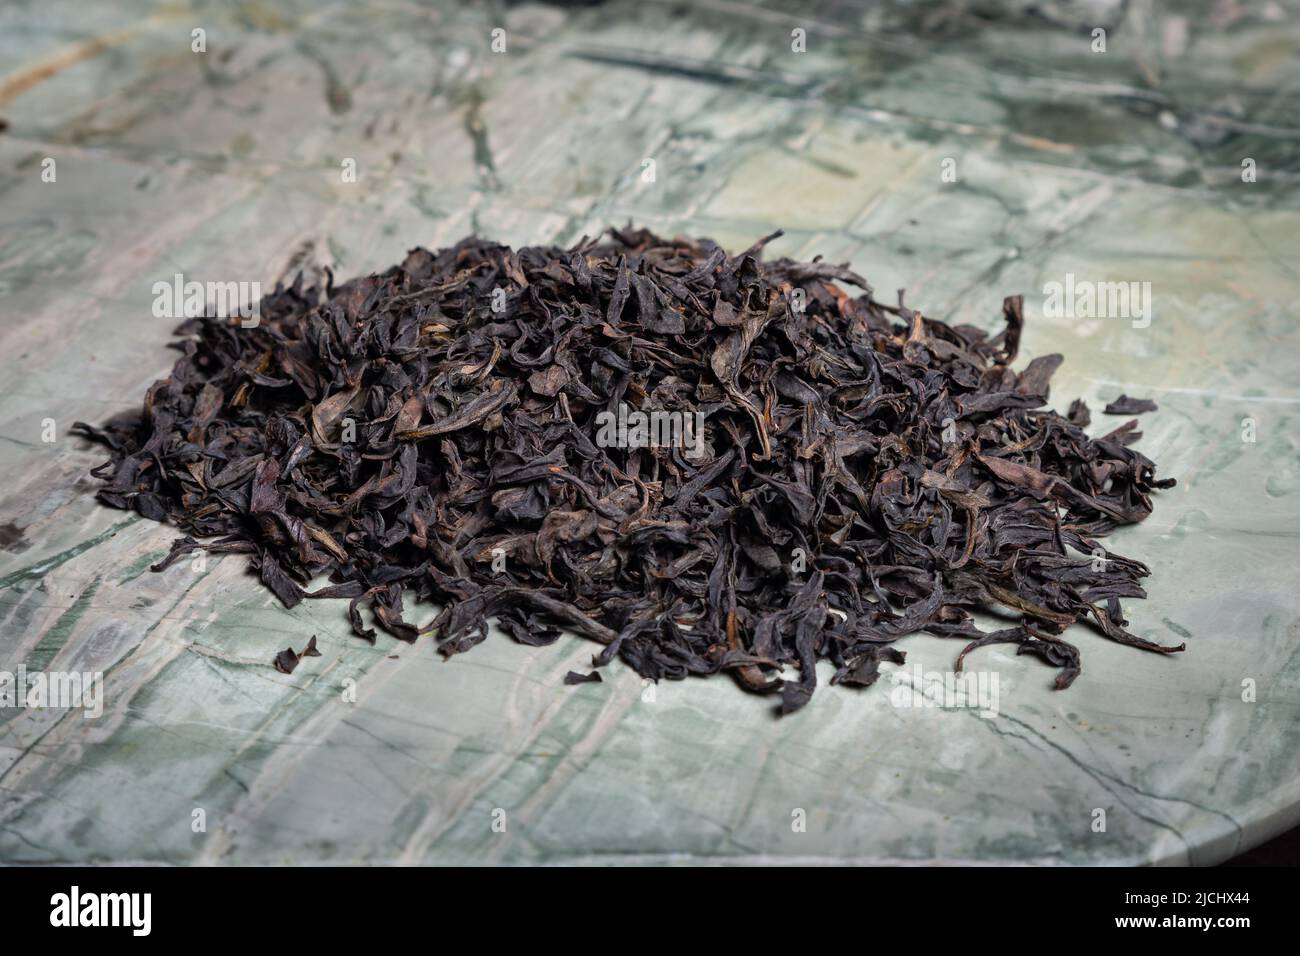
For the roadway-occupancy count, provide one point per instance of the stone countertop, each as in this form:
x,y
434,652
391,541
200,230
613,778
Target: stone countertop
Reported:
x,y
961,156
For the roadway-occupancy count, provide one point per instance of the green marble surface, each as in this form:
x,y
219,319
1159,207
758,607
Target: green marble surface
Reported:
x,y
1122,165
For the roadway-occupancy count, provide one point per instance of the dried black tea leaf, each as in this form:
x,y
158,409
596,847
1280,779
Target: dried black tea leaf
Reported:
x,y
703,462
287,660
1129,406
573,677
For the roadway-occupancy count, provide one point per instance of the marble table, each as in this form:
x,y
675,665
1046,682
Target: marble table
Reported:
x,y
962,157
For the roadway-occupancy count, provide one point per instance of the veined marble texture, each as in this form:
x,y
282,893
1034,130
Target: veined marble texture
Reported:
x,y
962,157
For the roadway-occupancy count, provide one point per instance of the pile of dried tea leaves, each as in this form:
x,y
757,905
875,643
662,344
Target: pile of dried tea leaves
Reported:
x,y
440,433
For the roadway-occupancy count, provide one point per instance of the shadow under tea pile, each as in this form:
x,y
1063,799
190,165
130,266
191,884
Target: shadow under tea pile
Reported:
x,y
435,432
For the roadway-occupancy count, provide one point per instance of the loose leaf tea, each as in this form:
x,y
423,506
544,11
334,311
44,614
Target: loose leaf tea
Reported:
x,y
1124,405
469,428
288,659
